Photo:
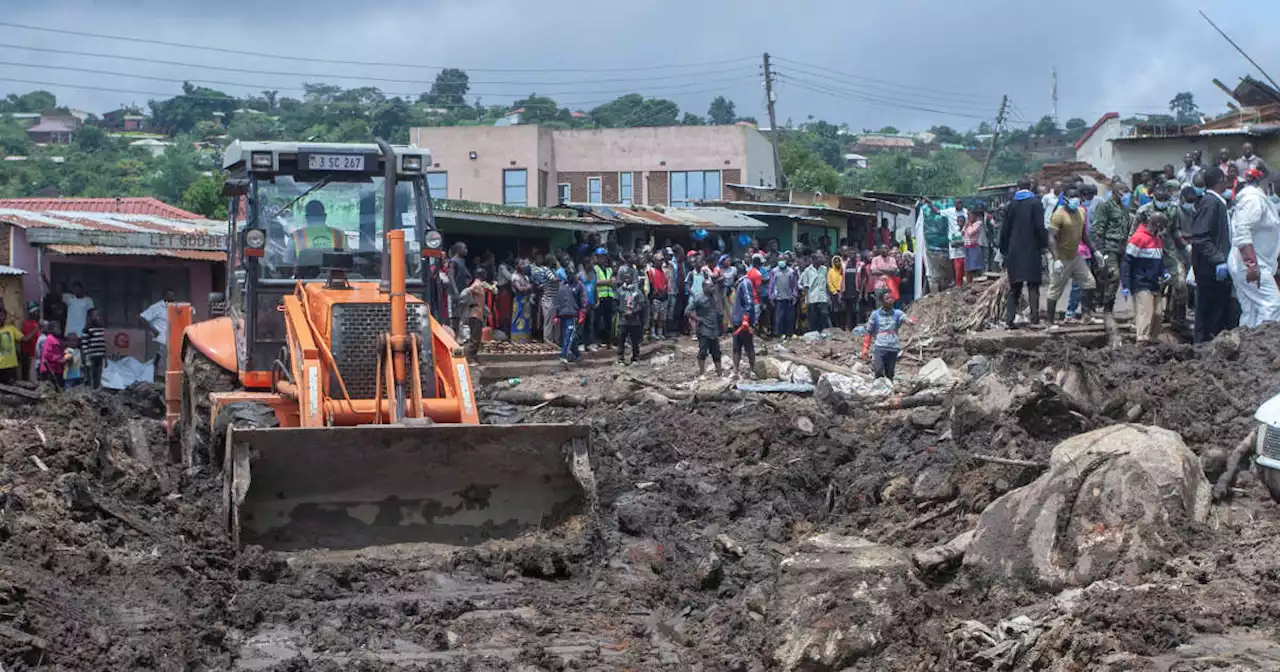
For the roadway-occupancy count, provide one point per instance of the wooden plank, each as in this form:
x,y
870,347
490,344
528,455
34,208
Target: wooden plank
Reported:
x,y
21,392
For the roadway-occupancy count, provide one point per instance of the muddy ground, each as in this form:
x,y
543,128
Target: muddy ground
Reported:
x,y
116,560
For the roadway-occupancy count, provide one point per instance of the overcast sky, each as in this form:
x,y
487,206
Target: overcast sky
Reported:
x,y
866,63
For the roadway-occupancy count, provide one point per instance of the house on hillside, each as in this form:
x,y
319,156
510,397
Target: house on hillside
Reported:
x,y
124,119
1095,147
876,143
54,129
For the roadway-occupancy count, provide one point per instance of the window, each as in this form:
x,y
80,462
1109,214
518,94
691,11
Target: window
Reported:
x,y
694,185
593,190
438,185
515,187
564,193
624,188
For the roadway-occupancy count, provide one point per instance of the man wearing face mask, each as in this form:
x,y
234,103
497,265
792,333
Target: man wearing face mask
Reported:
x,y
1210,243
1066,231
1109,228
1255,242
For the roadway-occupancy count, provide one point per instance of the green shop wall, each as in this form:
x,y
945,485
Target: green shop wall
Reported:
x,y
504,235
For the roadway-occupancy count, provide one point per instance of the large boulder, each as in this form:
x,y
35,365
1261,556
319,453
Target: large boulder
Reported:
x,y
1114,503
843,391
837,597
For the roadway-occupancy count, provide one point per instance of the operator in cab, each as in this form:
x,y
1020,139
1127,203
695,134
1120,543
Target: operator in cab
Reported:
x,y
314,238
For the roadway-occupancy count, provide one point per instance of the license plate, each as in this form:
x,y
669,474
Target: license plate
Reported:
x,y
335,162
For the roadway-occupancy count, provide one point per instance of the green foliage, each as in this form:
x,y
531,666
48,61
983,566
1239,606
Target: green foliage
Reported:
x,y
1046,126
1077,124
538,109
449,90
1184,108
633,110
805,168
91,139
888,130
255,127
204,196
691,119
947,134
174,171
181,114
34,101
13,139
721,111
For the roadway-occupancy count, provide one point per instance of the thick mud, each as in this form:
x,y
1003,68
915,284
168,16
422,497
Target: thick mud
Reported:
x,y
116,559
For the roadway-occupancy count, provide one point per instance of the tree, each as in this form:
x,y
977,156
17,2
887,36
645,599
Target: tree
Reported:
x,y
634,109
204,196
1183,106
1046,126
947,134
537,109
176,169
34,101
180,114
1077,124
91,139
254,127
805,169
721,112
888,130
13,139
691,119
449,89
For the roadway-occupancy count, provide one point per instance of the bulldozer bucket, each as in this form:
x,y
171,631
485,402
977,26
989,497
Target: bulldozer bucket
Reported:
x,y
351,487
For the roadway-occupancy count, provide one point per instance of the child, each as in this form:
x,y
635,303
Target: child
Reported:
x,y
883,327
1142,272
51,354
95,349
72,362
476,309
10,336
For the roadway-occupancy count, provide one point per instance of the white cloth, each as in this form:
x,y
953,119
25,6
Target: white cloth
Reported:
x,y
1254,221
157,315
955,232
1050,202
77,313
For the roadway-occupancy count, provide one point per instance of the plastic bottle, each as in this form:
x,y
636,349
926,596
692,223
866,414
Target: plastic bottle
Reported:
x,y
507,384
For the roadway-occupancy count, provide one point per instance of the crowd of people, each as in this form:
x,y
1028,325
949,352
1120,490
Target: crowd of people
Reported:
x,y
63,339
1200,236
596,297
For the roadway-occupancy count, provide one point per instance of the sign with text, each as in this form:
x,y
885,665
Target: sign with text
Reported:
x,y
127,343
194,240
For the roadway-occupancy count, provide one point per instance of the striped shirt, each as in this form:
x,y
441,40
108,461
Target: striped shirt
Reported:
x,y
95,342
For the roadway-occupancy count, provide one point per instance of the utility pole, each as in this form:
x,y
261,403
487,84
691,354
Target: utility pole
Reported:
x,y
1229,41
1055,96
995,137
773,122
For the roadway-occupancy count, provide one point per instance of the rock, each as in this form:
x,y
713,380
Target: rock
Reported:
x,y
933,485
804,425
977,366
840,391
652,397
945,554
725,544
991,395
710,571
835,598
935,372
926,416
802,375
812,336
1213,462
500,336
705,488
1115,503
659,361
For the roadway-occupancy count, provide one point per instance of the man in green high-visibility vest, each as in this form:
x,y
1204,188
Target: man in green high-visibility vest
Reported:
x,y
604,296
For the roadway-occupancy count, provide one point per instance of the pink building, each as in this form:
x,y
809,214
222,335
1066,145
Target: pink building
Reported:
x,y
125,251
527,165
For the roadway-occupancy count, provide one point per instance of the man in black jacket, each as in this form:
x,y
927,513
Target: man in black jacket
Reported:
x,y
1210,243
1023,240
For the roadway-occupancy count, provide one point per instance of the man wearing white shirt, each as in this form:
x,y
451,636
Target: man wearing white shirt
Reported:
x,y
156,318
78,307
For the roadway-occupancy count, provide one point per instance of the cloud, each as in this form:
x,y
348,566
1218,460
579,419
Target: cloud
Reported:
x,y
911,63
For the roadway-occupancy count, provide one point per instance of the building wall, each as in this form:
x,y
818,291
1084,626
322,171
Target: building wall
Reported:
x,y
571,156
6,234
24,256
497,148
1098,150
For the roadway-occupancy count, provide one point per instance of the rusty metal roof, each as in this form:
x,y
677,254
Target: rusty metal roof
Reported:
x,y
161,233
132,205
95,250
696,218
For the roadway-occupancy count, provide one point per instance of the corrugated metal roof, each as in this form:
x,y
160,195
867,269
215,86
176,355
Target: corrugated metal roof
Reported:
x,y
52,126
11,270
696,218
717,218
132,205
95,250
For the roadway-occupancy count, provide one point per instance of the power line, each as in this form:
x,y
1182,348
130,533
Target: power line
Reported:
x,y
158,94
259,86
883,82
225,68
308,59
819,87
887,94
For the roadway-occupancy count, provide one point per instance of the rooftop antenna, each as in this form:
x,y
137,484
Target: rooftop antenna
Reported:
x,y
1246,56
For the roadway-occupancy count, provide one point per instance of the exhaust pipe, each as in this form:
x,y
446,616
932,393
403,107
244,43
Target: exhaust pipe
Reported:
x,y
388,208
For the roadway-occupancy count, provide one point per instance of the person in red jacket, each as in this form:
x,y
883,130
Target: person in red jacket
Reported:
x,y
659,296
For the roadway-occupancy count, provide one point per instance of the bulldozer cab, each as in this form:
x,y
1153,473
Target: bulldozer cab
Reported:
x,y
304,209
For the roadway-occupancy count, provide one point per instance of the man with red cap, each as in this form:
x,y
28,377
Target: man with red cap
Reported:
x,y
1255,242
